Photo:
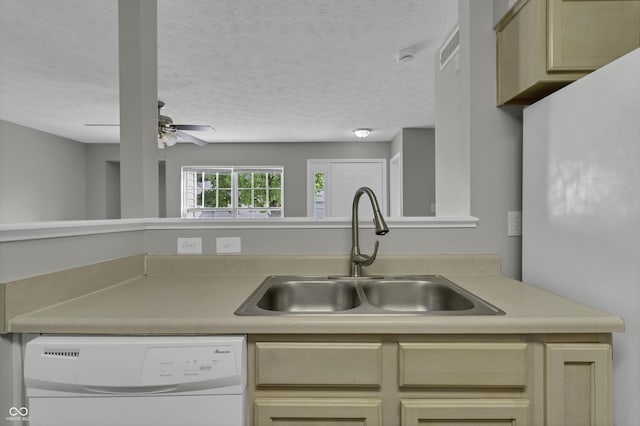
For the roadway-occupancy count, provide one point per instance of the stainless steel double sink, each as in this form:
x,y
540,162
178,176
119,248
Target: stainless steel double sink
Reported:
x,y
389,295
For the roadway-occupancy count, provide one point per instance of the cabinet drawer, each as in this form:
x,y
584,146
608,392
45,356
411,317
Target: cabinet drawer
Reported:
x,y
318,364
462,364
487,412
317,411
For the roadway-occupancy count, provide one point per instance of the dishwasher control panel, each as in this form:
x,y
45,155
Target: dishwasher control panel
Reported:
x,y
152,364
163,365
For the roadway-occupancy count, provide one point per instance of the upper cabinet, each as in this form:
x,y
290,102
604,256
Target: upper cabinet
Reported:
x,y
543,45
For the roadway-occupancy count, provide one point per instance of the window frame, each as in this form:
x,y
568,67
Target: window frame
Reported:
x,y
189,196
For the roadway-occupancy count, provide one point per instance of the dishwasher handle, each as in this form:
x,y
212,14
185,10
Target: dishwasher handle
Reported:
x,y
129,390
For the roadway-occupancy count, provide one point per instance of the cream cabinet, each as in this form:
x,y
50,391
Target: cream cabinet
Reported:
x,y
319,383
578,384
465,412
393,380
317,411
543,45
454,364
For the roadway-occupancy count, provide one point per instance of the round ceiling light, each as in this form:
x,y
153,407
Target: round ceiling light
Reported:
x,y
362,133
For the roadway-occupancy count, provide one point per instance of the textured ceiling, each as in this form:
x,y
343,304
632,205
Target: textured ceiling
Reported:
x,y
256,70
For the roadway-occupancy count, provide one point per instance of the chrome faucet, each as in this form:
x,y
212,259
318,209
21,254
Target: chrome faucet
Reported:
x,y
359,260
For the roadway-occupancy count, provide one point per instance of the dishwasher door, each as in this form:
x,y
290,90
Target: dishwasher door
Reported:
x,y
136,380
166,410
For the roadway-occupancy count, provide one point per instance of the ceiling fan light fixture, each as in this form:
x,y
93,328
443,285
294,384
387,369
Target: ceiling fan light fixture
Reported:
x,y
362,132
167,138
171,139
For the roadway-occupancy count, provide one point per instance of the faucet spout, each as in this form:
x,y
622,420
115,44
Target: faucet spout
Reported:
x,y
358,260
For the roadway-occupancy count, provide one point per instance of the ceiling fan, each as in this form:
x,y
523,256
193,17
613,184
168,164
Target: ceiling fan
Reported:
x,y
169,133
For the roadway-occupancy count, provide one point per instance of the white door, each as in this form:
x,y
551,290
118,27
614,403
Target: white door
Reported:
x,y
345,177
342,177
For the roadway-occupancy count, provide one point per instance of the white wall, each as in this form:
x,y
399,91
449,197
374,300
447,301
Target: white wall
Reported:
x,y
42,176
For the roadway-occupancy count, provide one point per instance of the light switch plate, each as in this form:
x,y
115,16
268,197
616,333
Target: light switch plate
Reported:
x,y
189,245
228,245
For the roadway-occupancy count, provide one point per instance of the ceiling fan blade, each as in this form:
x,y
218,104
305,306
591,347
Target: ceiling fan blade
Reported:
x,y
100,125
187,137
194,127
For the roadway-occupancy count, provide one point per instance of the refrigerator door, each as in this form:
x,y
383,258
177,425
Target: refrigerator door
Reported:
x,y
581,206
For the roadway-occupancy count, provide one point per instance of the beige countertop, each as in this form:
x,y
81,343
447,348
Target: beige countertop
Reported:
x,y
167,300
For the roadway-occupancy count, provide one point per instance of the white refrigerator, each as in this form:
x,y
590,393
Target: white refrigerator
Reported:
x,y
581,207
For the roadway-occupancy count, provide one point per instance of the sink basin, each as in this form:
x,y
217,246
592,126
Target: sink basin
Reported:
x,y
309,296
415,296
392,295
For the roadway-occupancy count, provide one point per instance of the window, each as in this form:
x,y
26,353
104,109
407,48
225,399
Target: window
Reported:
x,y
240,192
318,194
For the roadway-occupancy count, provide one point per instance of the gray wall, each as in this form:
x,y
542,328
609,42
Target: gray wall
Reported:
x,y
103,185
470,128
293,156
42,176
495,145
492,135
103,159
416,147
418,167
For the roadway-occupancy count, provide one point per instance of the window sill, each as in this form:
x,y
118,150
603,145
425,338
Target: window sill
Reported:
x,y
10,232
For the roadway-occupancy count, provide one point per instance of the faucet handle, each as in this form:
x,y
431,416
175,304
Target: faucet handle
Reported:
x,y
368,260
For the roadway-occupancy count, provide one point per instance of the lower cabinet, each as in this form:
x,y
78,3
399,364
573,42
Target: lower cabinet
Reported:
x,y
578,384
394,380
465,412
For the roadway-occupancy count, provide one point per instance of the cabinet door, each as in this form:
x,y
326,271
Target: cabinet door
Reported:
x,y
465,412
462,364
578,384
585,35
521,53
317,412
318,364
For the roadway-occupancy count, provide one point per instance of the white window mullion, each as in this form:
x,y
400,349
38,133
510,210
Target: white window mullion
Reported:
x,y
217,189
189,189
234,192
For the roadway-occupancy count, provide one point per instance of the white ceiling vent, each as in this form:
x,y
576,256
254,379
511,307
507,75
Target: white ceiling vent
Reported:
x,y
450,48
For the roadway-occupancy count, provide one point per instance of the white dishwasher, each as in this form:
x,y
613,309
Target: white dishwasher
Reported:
x,y
136,380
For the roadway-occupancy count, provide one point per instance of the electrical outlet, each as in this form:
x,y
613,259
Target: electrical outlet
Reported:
x,y
228,245
189,245
514,225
